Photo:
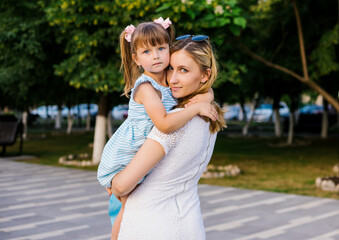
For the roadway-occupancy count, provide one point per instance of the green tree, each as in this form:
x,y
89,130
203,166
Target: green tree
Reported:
x,y
285,16
90,31
22,53
28,53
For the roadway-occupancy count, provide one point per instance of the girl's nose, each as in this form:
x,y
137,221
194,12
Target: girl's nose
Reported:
x,y
155,55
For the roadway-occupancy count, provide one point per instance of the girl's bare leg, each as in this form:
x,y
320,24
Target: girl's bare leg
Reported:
x,y
117,222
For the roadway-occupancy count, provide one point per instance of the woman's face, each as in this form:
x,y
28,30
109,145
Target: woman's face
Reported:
x,y
184,75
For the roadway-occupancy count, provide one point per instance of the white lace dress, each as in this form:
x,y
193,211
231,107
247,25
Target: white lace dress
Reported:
x,y
166,205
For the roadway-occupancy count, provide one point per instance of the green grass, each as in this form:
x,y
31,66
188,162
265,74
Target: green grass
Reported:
x,y
49,146
279,169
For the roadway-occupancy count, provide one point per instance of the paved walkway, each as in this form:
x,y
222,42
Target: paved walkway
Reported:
x,y
44,202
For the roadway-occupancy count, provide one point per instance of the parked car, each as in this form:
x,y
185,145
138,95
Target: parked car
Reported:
x,y
52,111
46,111
81,110
120,112
234,112
264,112
309,118
311,109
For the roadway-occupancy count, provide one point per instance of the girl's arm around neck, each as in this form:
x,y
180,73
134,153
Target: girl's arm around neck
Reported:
x,y
166,123
205,97
150,153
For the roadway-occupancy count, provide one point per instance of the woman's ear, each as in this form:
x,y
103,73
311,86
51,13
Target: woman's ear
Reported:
x,y
135,59
206,76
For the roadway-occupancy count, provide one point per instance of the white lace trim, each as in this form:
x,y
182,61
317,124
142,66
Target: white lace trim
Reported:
x,y
167,141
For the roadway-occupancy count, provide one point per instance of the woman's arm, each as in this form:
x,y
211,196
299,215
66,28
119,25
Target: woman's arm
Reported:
x,y
167,123
150,153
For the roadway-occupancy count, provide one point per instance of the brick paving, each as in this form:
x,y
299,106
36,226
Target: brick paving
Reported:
x,y
45,202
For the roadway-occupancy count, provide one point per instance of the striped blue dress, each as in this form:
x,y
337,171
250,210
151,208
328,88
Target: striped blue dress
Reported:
x,y
129,137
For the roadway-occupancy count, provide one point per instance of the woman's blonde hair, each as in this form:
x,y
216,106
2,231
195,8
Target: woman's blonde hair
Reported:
x,y
201,52
145,34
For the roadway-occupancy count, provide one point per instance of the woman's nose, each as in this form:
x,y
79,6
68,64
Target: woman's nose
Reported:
x,y
172,77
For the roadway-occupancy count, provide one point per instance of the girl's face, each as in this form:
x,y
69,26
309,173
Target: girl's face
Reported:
x,y
184,74
153,59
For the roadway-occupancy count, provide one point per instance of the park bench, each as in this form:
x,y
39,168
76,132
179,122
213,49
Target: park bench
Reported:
x,y
10,129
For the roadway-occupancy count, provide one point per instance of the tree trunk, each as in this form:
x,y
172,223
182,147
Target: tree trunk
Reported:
x,y
293,108
301,41
248,123
247,126
79,116
109,124
24,124
100,130
88,121
242,115
277,122
47,114
290,128
58,119
70,119
88,118
99,138
276,115
324,122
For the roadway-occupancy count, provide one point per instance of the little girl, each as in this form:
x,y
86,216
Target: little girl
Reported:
x,y
144,49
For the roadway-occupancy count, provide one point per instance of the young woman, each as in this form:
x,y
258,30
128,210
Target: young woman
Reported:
x,y
144,48
166,204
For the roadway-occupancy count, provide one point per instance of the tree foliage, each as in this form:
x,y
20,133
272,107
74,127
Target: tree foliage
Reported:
x,y
272,34
22,52
28,54
91,29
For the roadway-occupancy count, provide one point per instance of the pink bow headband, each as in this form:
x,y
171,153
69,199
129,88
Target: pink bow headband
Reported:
x,y
130,28
164,23
129,31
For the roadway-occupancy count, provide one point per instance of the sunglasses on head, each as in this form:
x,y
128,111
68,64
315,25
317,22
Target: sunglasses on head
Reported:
x,y
195,38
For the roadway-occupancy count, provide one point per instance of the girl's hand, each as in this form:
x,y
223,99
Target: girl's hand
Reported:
x,y
207,110
206,97
109,191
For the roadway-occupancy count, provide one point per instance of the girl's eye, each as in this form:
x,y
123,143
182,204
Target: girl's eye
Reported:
x,y
146,51
170,67
161,48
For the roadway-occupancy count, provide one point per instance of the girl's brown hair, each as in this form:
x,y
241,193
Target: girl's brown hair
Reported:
x,y
202,53
145,34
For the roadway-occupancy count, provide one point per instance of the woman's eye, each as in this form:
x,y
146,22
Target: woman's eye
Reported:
x,y
183,70
170,67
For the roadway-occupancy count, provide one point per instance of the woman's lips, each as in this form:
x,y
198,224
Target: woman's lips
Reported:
x,y
175,88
